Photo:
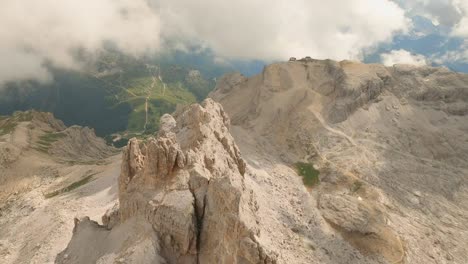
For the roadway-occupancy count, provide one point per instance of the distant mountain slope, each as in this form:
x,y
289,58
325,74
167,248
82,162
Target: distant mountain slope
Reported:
x,y
391,145
116,93
48,173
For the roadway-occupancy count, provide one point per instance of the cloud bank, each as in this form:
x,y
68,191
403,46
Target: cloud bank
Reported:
x,y
277,29
49,32
35,33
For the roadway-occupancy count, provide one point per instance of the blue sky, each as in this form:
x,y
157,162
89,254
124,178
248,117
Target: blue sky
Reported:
x,y
438,34
434,42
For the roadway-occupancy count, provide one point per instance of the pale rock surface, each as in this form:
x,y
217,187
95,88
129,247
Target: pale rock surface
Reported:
x,y
391,144
80,144
37,205
32,143
167,124
111,217
392,147
96,244
189,185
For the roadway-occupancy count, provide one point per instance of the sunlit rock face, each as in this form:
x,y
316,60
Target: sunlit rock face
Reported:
x,y
188,185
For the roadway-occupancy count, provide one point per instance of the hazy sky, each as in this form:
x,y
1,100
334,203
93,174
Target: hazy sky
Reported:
x,y
34,33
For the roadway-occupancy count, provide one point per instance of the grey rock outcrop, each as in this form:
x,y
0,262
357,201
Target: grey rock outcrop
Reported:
x,y
111,217
31,141
80,144
363,224
391,144
167,124
188,185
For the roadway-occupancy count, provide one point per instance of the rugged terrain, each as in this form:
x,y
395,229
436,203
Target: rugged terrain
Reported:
x,y
220,181
49,173
391,144
115,94
184,197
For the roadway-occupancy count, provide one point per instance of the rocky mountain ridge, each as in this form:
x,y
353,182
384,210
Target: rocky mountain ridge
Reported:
x,y
47,172
391,144
220,182
29,136
188,185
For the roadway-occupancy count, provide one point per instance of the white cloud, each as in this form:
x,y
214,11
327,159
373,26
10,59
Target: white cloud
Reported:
x,y
402,57
450,13
278,29
451,56
35,33
461,29
440,12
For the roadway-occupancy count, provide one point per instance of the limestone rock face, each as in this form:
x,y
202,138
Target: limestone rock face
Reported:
x,y
230,81
80,144
131,242
167,124
391,144
363,224
188,184
111,217
48,119
349,213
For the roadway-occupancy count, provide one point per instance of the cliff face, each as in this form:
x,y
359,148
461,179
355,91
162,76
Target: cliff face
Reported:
x,y
48,172
391,144
188,185
30,140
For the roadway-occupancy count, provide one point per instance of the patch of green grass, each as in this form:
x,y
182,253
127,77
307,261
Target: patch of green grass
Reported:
x,y
46,140
42,149
51,137
23,116
310,176
89,162
116,88
160,101
7,127
70,187
356,186
8,124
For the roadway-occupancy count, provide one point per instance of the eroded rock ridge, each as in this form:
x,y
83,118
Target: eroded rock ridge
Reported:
x,y
188,185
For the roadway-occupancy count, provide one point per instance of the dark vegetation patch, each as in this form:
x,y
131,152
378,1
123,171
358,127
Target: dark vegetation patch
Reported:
x,y
356,186
8,124
310,176
45,141
111,97
70,187
86,162
7,127
104,96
